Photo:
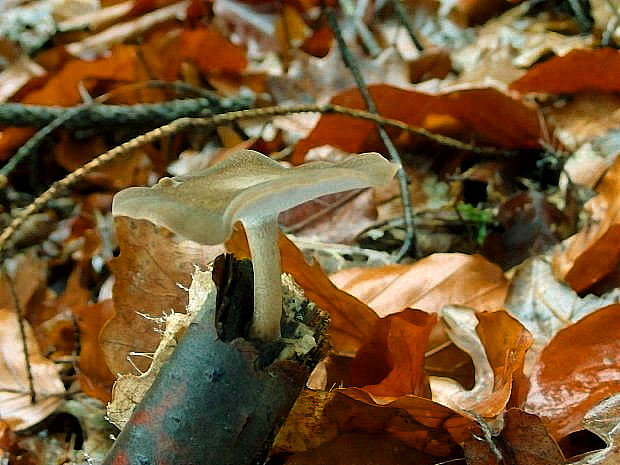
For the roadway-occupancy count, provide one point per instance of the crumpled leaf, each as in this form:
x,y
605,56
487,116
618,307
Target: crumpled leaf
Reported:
x,y
497,343
15,406
578,368
418,422
524,440
391,362
604,421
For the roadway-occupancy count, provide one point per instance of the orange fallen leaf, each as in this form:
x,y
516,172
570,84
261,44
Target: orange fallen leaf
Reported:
x,y
593,242
479,116
579,368
427,284
391,362
577,71
96,379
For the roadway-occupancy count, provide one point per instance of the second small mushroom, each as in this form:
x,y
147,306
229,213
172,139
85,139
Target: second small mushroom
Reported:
x,y
251,188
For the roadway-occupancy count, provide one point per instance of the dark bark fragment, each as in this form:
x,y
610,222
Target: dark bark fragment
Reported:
x,y
213,403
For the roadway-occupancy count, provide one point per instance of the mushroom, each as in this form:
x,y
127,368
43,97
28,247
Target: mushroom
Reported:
x,y
251,188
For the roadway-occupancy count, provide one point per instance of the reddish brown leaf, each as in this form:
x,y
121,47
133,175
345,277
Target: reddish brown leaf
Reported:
x,y
577,71
481,116
418,422
391,362
579,368
209,50
596,262
63,88
523,441
506,342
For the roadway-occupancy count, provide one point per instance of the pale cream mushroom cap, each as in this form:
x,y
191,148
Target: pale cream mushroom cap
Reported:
x,y
204,206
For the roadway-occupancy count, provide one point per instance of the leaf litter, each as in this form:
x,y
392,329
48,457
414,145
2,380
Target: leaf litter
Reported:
x,y
444,358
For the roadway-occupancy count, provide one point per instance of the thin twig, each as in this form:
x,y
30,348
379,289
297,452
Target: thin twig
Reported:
x,y
187,123
403,16
409,244
22,331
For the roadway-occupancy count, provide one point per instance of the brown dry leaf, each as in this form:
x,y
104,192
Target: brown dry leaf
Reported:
x,y
577,71
15,406
391,362
153,262
604,421
524,440
479,116
336,218
529,440
361,431
213,54
419,423
428,284
130,389
29,276
581,250
306,426
579,368
545,305
351,321
354,448
95,377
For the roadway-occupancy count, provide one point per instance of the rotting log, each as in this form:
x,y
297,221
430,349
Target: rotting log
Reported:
x,y
220,399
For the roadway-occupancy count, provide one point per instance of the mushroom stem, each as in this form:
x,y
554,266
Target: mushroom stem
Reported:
x,y
262,234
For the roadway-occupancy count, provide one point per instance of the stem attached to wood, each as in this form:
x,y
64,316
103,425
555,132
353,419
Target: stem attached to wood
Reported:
x,y
262,234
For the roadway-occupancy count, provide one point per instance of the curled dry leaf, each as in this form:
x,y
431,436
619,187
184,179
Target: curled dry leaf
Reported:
x,y
497,343
604,421
524,440
391,361
578,368
15,406
418,422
